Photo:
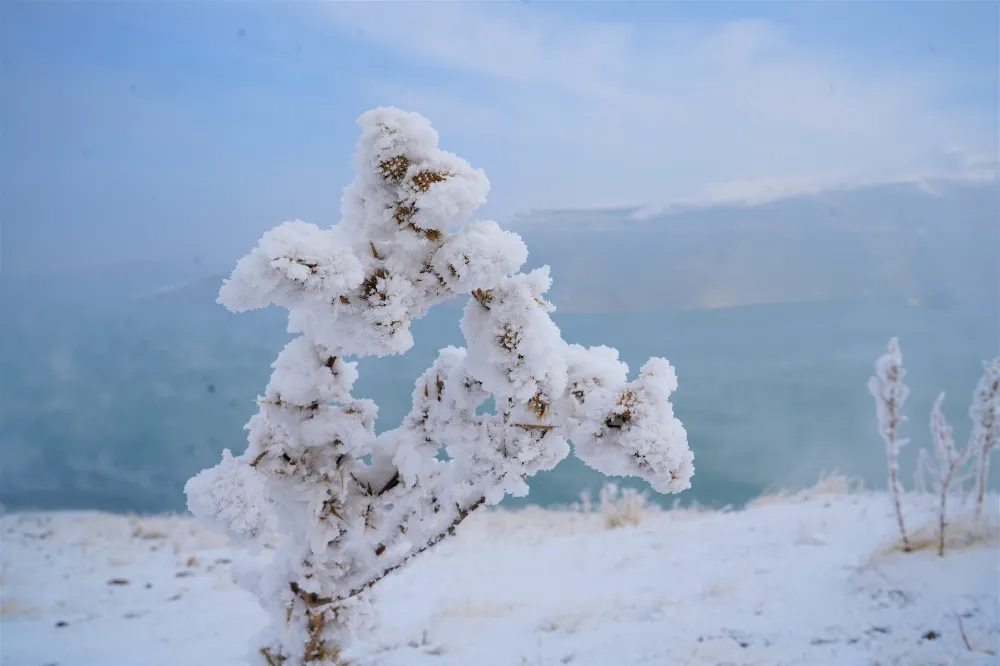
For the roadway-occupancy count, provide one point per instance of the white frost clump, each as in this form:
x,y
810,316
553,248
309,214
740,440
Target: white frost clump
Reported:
x,y
354,506
294,263
634,418
478,255
231,499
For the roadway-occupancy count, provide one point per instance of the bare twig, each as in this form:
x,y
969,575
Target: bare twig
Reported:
x,y
533,426
965,638
961,629
462,515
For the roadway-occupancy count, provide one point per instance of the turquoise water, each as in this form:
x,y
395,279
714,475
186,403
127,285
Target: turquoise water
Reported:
x,y
113,406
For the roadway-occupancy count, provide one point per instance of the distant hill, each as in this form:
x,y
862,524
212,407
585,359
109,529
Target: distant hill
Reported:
x,y
931,243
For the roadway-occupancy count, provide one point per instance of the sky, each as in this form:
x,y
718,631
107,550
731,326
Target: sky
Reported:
x,y
167,130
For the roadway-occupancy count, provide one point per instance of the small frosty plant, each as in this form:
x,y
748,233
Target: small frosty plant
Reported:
x,y
985,415
621,506
949,460
946,468
354,506
890,393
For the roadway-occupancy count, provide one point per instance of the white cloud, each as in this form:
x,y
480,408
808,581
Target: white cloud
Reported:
x,y
570,112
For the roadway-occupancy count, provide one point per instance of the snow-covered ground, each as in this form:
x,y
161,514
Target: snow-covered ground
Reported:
x,y
811,579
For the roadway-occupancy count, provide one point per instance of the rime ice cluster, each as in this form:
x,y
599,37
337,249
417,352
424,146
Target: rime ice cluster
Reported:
x,y
353,506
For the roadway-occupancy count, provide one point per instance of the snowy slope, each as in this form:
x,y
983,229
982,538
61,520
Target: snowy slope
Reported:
x,y
810,579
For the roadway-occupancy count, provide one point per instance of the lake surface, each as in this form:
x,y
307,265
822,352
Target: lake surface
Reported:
x,y
115,405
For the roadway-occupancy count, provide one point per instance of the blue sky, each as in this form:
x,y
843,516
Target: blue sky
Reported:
x,y
174,130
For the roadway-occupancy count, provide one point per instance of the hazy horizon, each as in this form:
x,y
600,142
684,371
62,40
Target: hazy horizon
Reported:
x,y
167,131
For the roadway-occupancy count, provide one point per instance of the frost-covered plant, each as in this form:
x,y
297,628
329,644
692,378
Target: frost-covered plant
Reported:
x,y
621,506
354,506
984,412
945,470
890,393
949,460
586,503
618,506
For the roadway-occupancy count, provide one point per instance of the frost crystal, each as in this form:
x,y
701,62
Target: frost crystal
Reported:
x,y
353,506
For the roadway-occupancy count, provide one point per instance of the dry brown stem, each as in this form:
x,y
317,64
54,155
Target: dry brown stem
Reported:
x,y
462,515
539,427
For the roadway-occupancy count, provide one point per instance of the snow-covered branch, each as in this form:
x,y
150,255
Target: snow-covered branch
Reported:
x,y
355,506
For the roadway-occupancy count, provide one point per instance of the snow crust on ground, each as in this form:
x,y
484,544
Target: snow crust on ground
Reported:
x,y
808,579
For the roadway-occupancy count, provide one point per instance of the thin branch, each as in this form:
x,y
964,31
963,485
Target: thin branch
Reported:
x,y
462,515
393,482
533,426
961,629
965,638
311,599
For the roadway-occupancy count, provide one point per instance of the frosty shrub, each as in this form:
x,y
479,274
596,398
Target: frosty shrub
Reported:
x,y
945,469
890,393
621,506
949,459
985,415
354,506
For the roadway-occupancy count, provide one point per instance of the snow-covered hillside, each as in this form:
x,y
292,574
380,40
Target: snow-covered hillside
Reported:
x,y
812,579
